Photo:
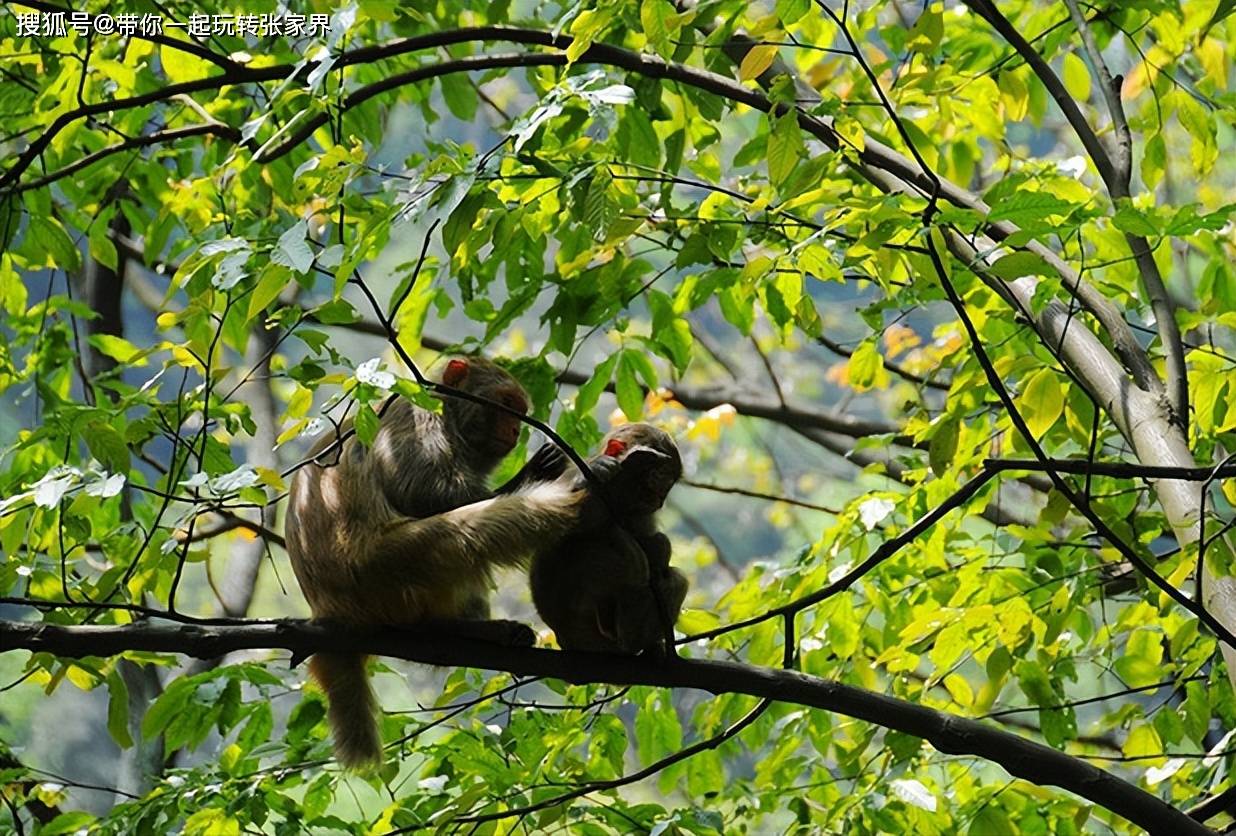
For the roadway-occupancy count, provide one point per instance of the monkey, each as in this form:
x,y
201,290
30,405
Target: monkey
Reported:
x,y
594,587
406,532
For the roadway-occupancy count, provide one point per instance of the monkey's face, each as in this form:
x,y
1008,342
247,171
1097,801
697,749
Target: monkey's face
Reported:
x,y
493,431
651,464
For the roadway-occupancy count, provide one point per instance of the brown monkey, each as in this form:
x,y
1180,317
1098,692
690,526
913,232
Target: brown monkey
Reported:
x,y
407,532
595,588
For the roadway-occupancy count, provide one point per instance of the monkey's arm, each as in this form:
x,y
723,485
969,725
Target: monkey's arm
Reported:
x,y
460,546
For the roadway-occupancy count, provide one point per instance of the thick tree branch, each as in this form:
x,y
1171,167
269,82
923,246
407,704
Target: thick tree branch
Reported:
x,y
1126,470
1122,154
949,734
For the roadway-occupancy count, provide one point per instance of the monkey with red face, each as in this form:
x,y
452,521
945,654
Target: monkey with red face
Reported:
x,y
406,532
608,586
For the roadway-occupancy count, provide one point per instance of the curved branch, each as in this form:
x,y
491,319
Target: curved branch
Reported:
x,y
156,138
949,734
1114,169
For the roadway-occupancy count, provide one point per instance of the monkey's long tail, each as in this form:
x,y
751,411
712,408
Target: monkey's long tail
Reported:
x,y
353,710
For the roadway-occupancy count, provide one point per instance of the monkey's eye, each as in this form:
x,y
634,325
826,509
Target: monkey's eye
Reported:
x,y
515,402
615,448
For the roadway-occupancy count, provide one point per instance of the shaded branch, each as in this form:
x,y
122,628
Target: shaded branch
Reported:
x,y
949,734
156,138
1127,470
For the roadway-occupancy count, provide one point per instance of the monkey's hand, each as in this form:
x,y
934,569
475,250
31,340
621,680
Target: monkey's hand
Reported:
x,y
546,464
515,633
604,468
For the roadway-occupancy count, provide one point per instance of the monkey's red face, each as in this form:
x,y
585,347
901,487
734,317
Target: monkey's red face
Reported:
x,y
494,432
507,426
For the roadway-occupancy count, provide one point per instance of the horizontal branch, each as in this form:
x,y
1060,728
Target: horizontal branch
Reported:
x,y
745,402
1128,470
145,140
949,734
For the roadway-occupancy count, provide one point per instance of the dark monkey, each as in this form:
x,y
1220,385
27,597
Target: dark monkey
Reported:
x,y
594,587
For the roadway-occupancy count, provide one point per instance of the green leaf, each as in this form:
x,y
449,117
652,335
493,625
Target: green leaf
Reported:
x,y
637,139
1017,264
630,394
367,424
790,11
1142,661
46,235
670,330
598,209
1022,207
460,96
274,279
169,704
659,20
1154,160
943,446
119,349
293,250
927,31
1041,401
179,65
738,307
1134,221
587,395
785,147
459,224
866,365
1076,77
758,59
118,710
70,822
107,445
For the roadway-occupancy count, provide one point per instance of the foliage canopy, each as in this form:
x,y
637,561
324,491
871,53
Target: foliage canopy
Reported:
x,y
215,247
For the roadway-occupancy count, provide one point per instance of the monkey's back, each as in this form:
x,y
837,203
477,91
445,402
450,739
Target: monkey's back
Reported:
x,y
577,584
341,504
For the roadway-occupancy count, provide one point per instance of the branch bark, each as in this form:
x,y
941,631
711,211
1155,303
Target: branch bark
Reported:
x,y
949,734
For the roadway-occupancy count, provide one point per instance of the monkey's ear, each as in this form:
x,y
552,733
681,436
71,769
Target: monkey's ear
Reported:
x,y
615,448
456,371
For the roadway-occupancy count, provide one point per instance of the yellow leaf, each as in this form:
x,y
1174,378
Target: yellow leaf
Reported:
x,y
1042,401
852,132
710,423
179,65
898,338
959,690
1076,77
292,431
758,59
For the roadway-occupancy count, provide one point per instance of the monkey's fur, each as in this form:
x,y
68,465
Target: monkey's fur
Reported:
x,y
407,532
595,588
